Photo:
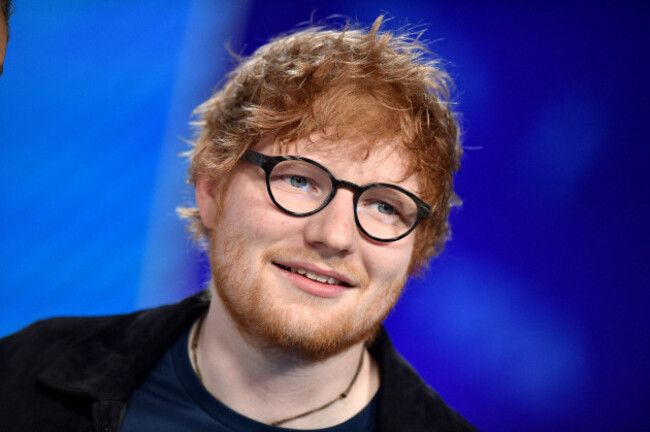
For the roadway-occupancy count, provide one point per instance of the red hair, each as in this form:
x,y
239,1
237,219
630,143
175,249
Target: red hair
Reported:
x,y
348,83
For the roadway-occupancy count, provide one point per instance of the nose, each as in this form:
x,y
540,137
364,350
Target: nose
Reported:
x,y
333,231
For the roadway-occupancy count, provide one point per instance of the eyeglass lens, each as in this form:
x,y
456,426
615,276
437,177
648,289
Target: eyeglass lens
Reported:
x,y
301,187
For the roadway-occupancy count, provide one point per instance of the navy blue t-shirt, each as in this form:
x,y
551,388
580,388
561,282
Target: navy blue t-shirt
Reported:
x,y
172,399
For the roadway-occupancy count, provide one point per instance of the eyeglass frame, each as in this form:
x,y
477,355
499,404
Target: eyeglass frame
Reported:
x,y
267,163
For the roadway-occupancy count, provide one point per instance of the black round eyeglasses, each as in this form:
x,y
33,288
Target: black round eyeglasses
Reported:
x,y
301,187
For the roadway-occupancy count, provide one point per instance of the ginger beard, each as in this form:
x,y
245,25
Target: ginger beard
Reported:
x,y
306,326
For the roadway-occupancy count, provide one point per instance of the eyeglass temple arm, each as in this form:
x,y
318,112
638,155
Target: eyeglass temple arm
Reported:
x,y
254,158
424,210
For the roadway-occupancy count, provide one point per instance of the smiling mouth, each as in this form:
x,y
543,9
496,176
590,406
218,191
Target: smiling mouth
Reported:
x,y
314,276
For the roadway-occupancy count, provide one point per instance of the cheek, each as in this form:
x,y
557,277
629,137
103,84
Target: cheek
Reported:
x,y
389,262
256,218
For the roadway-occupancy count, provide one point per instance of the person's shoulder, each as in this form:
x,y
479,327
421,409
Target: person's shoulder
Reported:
x,y
58,326
434,408
39,343
46,331
407,402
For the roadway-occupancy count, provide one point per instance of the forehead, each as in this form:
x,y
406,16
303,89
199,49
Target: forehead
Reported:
x,y
353,159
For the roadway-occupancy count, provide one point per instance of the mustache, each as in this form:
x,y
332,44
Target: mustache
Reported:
x,y
337,264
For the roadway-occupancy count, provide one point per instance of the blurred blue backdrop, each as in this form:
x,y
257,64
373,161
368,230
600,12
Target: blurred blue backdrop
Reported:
x,y
535,317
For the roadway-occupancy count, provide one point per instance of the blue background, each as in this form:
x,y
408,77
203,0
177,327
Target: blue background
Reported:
x,y
535,317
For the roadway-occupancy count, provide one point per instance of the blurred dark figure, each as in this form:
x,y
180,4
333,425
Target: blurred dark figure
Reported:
x,y
7,8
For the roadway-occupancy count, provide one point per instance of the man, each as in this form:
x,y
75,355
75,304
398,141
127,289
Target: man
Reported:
x,y
4,31
323,173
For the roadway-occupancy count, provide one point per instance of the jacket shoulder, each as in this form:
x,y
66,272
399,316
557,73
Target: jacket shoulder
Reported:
x,y
56,369
35,346
40,343
407,402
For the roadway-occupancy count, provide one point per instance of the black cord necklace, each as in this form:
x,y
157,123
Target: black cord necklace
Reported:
x,y
195,344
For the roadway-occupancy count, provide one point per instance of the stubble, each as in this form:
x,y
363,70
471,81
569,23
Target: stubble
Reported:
x,y
308,327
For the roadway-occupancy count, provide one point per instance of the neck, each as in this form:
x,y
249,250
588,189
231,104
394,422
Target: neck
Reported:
x,y
267,384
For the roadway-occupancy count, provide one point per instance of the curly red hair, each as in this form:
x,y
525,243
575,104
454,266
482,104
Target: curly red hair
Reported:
x,y
346,83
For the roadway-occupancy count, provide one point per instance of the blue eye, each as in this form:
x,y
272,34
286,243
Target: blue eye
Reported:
x,y
383,208
297,181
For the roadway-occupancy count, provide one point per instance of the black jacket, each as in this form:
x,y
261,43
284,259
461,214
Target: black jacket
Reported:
x,y
77,374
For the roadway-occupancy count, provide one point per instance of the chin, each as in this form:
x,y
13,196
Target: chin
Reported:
x,y
314,343
307,329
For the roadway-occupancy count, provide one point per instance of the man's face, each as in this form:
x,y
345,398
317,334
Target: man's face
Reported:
x,y
3,40
253,245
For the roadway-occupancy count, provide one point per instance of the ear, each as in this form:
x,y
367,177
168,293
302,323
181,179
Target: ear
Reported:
x,y
205,199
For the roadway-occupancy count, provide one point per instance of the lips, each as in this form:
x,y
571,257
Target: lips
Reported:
x,y
314,275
